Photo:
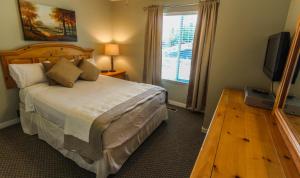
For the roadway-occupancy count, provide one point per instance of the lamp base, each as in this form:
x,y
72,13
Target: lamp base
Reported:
x,y
112,64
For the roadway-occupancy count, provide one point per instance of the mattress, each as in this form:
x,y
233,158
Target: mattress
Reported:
x,y
43,99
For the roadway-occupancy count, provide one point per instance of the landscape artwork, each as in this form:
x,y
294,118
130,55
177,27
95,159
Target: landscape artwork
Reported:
x,y
46,23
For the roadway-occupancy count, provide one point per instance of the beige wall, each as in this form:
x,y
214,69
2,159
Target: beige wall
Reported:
x,y
129,29
241,39
177,91
293,15
93,25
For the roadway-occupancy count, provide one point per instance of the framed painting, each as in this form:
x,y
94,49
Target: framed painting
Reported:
x,y
46,23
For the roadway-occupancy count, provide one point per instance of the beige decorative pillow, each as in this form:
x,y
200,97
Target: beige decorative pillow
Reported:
x,y
65,73
90,71
47,66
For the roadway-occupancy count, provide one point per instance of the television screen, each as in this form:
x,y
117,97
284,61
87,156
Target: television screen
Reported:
x,y
276,55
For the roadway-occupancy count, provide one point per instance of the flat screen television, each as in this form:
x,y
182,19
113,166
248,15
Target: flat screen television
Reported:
x,y
276,56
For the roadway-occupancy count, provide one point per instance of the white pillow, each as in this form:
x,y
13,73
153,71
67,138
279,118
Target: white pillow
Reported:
x,y
26,75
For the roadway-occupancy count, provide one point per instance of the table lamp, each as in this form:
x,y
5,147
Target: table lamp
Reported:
x,y
112,50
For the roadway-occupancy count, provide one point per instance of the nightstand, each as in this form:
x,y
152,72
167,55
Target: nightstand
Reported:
x,y
121,74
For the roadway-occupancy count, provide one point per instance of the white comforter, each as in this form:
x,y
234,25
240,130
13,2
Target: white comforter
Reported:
x,y
82,104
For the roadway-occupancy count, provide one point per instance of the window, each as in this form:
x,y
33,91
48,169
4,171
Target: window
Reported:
x,y
178,37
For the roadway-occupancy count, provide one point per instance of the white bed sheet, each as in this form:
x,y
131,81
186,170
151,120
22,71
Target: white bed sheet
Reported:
x,y
43,99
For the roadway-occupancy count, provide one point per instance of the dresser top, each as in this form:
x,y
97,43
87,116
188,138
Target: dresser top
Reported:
x,y
242,142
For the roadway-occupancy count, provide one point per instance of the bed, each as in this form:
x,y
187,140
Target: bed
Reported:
x,y
97,124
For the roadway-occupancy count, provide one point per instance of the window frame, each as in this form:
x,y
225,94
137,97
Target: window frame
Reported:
x,y
176,13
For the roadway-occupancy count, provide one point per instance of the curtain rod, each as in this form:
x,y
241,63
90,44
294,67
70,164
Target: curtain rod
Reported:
x,y
183,5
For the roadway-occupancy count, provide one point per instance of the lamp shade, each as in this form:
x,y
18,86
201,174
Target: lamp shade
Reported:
x,y
112,50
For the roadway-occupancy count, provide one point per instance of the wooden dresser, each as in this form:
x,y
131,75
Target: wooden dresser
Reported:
x,y
243,142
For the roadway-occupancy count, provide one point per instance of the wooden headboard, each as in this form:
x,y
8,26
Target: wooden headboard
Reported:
x,y
38,53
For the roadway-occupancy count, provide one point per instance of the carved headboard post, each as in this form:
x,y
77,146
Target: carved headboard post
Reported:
x,y
38,53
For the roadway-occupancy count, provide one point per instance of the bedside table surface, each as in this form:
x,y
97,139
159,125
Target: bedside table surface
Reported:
x,y
118,72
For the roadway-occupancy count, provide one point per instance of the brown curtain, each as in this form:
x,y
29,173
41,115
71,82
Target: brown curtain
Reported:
x,y
202,54
153,46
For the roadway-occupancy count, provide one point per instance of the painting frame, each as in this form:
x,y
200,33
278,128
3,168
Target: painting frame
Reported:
x,y
47,23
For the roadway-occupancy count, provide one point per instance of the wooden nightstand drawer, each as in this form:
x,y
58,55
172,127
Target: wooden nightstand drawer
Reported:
x,y
118,74
121,76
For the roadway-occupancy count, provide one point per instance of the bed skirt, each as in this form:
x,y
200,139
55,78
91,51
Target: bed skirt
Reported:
x,y
112,159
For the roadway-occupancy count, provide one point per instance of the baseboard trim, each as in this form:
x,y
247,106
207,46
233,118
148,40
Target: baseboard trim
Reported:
x,y
9,123
175,103
204,130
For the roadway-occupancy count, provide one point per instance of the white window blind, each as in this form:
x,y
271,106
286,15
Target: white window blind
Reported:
x,y
178,37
